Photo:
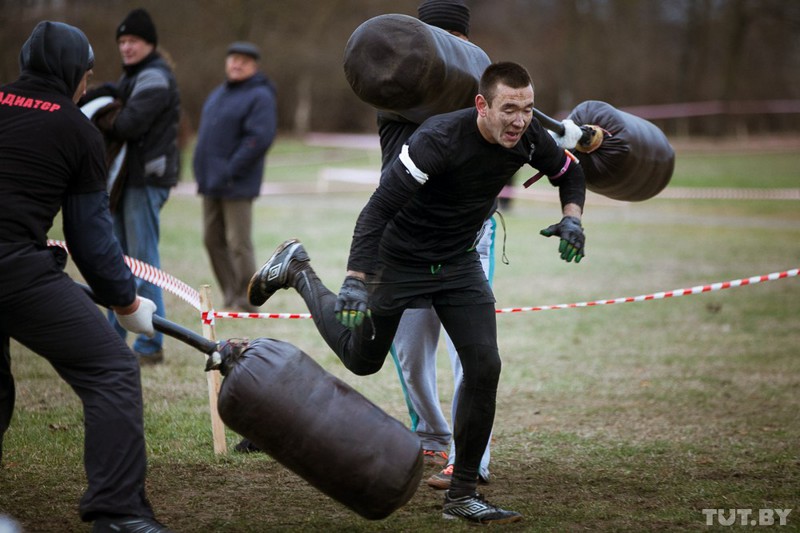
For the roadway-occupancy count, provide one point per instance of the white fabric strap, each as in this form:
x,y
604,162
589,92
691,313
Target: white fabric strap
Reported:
x,y
412,169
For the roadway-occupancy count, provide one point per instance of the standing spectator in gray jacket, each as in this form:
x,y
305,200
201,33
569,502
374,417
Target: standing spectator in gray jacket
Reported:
x,y
148,123
237,127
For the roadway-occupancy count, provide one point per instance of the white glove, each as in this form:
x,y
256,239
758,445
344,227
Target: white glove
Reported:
x,y
572,134
141,320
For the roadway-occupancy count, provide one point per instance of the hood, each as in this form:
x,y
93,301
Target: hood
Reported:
x,y
59,52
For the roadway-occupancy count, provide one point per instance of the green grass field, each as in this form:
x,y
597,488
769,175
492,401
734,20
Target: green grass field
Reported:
x,y
625,417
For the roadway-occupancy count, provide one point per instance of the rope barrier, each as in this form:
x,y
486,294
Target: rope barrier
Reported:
x,y
177,287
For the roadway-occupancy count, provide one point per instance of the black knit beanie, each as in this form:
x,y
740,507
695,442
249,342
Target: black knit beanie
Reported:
x,y
138,23
451,15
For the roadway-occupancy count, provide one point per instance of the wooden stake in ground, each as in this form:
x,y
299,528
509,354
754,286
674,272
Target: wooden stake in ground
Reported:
x,y
214,379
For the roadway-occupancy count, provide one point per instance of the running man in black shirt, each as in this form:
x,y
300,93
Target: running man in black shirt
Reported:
x,y
414,246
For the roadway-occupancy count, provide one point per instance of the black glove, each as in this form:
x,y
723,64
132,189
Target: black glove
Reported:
x,y
351,304
572,238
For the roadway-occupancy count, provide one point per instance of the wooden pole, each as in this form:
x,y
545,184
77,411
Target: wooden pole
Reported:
x,y
214,379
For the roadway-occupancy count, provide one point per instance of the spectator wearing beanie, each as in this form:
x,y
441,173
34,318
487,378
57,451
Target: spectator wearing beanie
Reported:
x,y
149,111
139,24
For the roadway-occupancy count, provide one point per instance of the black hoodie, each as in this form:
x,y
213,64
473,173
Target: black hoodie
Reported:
x,y
52,158
59,53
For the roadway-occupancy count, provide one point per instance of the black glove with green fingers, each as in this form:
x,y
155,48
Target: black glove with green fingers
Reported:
x,y
572,238
351,304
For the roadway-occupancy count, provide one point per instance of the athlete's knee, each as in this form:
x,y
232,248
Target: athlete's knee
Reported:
x,y
359,361
362,367
481,364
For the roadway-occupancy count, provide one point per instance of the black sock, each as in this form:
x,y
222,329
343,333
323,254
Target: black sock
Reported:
x,y
459,489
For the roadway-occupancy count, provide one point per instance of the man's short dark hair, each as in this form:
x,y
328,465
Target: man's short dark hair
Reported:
x,y
508,73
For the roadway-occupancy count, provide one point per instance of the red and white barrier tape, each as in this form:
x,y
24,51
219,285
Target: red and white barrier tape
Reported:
x,y
699,289
157,277
177,287
209,316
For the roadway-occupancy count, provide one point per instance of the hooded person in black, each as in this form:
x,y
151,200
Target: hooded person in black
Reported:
x,y
52,159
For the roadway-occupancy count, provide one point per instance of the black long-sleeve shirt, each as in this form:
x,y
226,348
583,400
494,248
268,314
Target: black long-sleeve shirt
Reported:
x,y
433,199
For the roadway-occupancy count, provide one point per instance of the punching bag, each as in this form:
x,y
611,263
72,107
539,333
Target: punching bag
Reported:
x,y
400,65
633,162
405,67
319,427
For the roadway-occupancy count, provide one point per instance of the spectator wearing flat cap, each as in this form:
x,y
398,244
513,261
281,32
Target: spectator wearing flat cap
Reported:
x,y
147,122
237,127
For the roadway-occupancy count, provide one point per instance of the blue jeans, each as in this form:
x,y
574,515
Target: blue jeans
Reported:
x,y
136,226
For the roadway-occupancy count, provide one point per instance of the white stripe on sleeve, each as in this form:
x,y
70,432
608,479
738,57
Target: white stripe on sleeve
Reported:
x,y
412,169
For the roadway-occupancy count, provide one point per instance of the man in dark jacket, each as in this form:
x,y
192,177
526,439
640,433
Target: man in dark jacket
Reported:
x,y
51,159
237,128
148,124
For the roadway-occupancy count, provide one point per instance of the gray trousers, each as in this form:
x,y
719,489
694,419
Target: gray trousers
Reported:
x,y
227,235
414,353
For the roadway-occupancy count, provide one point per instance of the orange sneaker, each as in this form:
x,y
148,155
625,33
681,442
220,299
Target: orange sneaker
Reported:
x,y
441,481
435,457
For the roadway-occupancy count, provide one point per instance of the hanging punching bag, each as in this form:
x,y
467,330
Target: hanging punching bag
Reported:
x,y
319,427
634,160
401,65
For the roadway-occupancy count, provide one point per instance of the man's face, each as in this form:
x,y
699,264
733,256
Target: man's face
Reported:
x,y
133,49
239,67
509,115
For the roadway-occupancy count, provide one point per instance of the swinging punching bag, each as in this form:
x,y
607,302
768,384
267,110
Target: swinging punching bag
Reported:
x,y
405,67
319,427
399,64
634,162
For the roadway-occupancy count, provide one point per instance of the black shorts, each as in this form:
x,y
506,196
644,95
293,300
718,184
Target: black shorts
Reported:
x,y
397,287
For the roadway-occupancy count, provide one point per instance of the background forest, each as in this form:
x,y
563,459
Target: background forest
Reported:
x,y
740,59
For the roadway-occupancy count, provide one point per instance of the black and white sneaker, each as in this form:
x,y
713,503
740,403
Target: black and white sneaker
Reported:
x,y
473,508
275,275
128,524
